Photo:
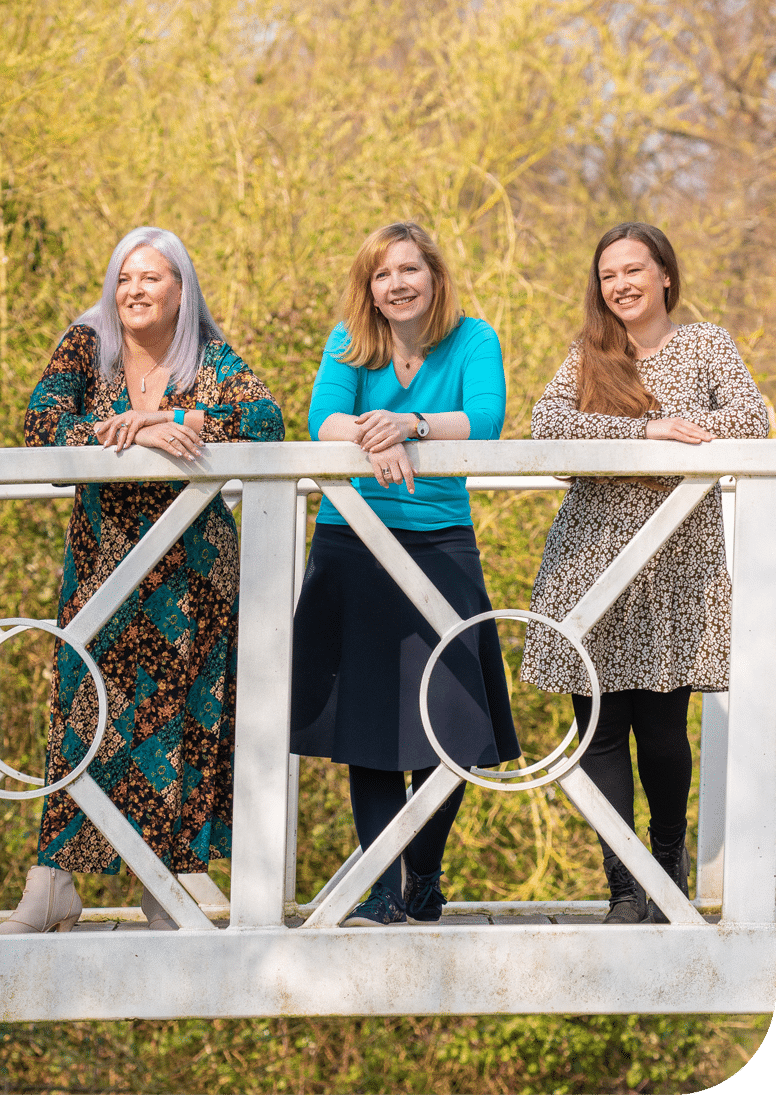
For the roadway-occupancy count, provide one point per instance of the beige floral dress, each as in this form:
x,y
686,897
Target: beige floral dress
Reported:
x,y
671,626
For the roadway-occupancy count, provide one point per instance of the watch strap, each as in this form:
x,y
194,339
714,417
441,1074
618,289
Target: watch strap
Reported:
x,y
420,419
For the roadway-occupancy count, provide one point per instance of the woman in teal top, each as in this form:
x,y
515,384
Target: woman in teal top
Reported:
x,y
404,365
463,373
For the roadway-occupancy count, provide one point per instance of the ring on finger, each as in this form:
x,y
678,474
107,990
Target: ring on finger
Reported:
x,y
121,426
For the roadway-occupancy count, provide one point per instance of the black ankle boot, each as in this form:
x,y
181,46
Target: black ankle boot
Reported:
x,y
675,861
628,902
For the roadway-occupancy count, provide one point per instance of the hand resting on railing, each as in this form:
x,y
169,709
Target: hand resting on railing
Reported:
x,y
677,429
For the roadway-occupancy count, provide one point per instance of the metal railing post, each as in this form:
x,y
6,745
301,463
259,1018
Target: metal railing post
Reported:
x,y
750,819
712,774
293,760
263,703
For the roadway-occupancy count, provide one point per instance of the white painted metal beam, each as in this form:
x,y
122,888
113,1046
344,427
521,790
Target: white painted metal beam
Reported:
x,y
342,459
263,704
712,778
368,867
85,625
137,855
388,551
453,970
635,556
750,819
603,817
141,560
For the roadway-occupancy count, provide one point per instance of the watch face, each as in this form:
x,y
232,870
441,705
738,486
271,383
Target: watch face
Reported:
x,y
423,428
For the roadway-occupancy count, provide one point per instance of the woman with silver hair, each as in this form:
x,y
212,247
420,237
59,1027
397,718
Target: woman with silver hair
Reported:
x,y
145,366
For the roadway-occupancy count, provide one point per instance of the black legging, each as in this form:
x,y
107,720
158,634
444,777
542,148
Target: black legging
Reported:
x,y
659,723
378,796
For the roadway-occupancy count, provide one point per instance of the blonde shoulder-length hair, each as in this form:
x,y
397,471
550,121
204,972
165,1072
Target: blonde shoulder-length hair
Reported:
x,y
371,343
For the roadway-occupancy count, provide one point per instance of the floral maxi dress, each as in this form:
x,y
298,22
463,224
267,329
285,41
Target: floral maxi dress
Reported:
x,y
671,627
168,655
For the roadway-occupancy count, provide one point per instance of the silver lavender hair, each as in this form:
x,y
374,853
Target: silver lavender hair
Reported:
x,y
195,325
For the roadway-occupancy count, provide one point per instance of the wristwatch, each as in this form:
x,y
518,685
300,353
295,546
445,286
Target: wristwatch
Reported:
x,y
422,429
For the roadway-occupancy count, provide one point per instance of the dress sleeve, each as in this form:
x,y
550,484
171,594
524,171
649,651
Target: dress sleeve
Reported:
x,y
336,384
556,414
246,409
57,412
736,408
484,386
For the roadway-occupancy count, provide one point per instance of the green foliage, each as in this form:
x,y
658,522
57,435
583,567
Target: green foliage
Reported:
x,y
520,1055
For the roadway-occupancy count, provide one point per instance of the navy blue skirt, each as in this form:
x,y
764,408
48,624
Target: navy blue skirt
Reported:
x,y
360,648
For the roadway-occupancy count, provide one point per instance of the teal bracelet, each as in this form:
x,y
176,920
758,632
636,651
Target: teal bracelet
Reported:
x,y
178,415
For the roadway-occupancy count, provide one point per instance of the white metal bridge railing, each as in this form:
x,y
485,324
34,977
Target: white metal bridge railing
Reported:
x,y
728,967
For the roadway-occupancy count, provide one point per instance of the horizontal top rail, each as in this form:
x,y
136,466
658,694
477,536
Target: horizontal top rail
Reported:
x,y
342,459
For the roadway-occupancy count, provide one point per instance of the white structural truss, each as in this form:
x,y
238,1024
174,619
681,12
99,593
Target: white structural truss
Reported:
x,y
501,960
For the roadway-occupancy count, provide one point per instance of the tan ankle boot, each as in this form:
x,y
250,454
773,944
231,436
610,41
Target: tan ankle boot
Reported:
x,y
49,903
158,919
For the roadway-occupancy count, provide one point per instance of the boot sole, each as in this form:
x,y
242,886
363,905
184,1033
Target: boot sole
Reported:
x,y
362,922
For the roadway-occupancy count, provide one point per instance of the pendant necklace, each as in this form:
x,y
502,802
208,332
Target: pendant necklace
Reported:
x,y
409,360
143,377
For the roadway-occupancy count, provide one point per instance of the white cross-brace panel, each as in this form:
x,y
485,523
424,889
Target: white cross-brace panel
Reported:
x,y
576,784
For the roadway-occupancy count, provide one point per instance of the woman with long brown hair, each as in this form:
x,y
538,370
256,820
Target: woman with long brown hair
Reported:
x,y
635,373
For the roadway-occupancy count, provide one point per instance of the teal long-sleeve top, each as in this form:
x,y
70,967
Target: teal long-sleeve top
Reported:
x,y
464,372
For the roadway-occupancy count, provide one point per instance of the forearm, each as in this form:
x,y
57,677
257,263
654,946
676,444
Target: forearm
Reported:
x,y
747,417
444,426
194,419
51,427
340,427
381,428
558,418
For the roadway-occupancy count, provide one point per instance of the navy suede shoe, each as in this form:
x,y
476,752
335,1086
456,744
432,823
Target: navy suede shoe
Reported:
x,y
423,896
380,908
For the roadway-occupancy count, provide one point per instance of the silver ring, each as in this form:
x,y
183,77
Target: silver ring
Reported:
x,y
122,426
553,770
171,440
8,628
385,470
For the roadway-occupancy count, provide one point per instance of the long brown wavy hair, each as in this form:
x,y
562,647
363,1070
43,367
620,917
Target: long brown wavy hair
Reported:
x,y
609,379
371,342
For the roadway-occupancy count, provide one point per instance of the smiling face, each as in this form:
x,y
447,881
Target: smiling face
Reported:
x,y
148,295
632,284
402,285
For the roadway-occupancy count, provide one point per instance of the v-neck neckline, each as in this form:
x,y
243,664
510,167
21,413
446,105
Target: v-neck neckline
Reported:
x,y
408,385
130,404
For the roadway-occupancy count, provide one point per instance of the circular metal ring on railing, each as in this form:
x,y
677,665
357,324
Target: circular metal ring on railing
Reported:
x,y
11,627
476,774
